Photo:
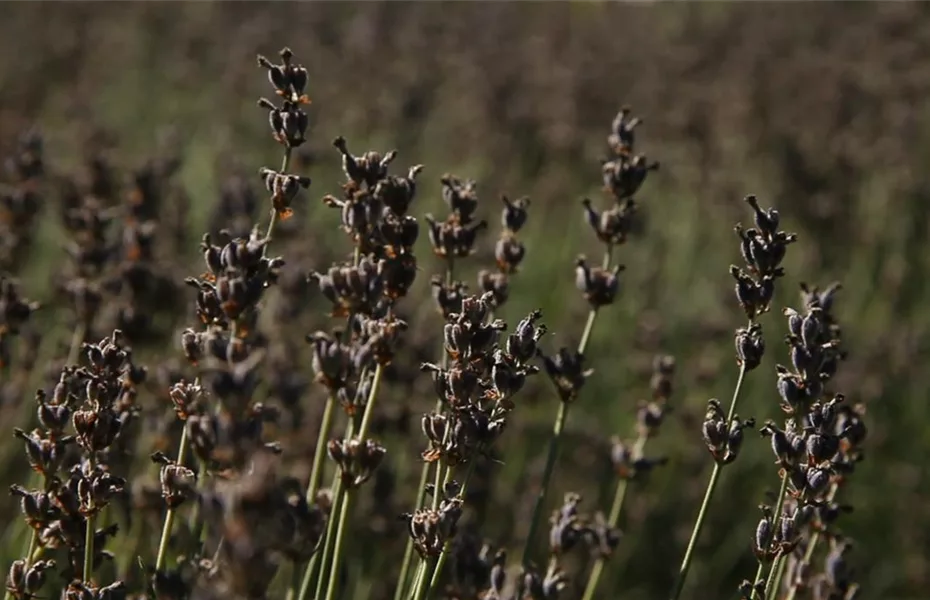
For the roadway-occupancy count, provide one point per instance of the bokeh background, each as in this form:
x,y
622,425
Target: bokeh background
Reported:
x,y
818,108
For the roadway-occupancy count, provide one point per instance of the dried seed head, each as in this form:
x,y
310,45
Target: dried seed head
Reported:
x,y
495,283
288,79
599,286
514,215
357,459
566,369
283,189
611,226
370,168
750,346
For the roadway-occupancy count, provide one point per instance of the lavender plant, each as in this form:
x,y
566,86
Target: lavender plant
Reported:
x,y
230,520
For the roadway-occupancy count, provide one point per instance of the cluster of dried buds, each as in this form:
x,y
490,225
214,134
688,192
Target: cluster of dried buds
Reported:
x,y
568,528
763,248
482,375
509,252
626,456
626,171
431,528
113,282
21,200
98,402
815,451
14,313
262,517
238,272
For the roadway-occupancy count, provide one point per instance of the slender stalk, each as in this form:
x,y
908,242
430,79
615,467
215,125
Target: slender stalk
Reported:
x,y
424,472
779,574
337,550
369,406
557,430
319,455
809,551
408,551
779,504
324,552
89,540
612,519
77,339
169,516
321,556
437,571
346,492
702,513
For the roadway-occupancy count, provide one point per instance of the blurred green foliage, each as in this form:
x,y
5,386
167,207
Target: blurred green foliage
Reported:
x,y
818,108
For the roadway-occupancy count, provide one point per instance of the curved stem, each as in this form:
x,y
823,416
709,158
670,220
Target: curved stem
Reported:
x,y
557,430
612,519
708,495
169,516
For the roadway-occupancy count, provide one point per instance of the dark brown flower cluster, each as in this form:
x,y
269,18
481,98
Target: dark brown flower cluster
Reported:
x,y
98,402
14,313
816,451
22,199
477,386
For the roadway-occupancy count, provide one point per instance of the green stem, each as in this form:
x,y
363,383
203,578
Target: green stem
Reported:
x,y
319,454
337,551
811,546
169,516
557,429
779,504
370,404
346,493
408,551
440,563
77,339
324,552
779,573
424,472
89,540
612,519
702,514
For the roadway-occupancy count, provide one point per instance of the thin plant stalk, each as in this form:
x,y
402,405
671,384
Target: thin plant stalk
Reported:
x,y
337,550
347,493
89,540
612,518
321,557
323,553
424,472
783,490
319,455
169,516
809,551
437,571
557,429
705,504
